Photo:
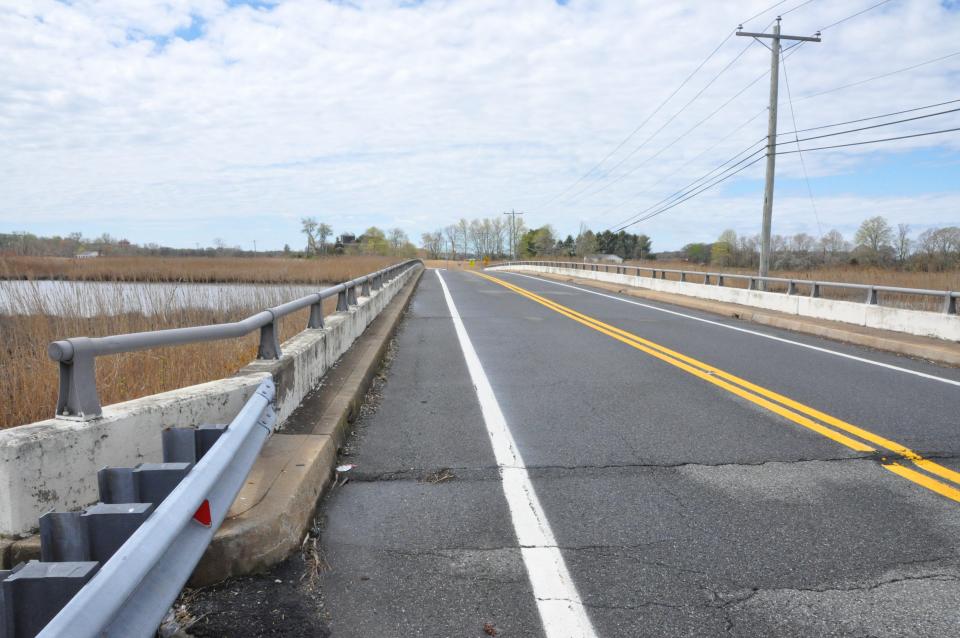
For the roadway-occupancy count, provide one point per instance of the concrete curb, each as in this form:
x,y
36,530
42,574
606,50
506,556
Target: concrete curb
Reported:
x,y
274,509
929,349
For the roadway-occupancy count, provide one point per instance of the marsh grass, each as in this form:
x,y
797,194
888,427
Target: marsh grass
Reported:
x,y
30,379
194,269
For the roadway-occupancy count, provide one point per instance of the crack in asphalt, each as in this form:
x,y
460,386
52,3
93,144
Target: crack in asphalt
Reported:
x,y
420,474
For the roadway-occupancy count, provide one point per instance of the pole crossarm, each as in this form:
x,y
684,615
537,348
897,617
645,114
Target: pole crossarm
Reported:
x,y
776,36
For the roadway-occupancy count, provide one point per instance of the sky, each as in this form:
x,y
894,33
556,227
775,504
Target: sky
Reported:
x,y
186,121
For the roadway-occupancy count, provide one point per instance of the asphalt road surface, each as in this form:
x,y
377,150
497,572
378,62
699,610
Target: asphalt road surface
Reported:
x,y
553,460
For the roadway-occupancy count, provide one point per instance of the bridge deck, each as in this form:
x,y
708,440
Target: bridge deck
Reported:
x,y
693,477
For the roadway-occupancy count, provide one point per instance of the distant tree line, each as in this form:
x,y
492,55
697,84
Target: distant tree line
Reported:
x,y
481,238
875,243
23,243
373,241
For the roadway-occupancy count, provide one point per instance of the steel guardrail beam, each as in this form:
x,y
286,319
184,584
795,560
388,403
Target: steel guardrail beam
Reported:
x,y
132,591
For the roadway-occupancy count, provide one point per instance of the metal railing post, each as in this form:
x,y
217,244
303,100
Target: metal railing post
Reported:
x,y
365,289
352,294
269,340
316,315
815,290
950,304
342,300
706,278
77,397
751,283
377,281
872,296
683,275
720,279
792,287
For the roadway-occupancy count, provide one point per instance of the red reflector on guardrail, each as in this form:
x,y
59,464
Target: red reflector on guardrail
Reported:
x,y
202,515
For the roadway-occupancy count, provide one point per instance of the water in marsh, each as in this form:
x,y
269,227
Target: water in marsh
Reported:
x,y
95,298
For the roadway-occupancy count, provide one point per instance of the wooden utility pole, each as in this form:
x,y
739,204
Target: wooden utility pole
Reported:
x,y
775,39
513,236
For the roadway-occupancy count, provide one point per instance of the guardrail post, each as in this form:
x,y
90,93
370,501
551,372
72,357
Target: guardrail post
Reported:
x,y
706,278
751,283
872,296
683,275
365,289
352,294
316,315
377,281
663,274
950,304
792,287
719,280
815,290
342,301
269,342
77,397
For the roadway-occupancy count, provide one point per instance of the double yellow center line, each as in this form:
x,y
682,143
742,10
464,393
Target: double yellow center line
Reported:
x,y
846,434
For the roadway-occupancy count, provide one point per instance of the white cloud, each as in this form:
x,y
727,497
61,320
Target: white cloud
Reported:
x,y
415,116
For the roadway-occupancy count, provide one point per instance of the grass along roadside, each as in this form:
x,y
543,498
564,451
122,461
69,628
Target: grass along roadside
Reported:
x,y
44,311
194,269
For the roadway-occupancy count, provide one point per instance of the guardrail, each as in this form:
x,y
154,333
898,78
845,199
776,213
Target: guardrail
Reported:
x,y
78,398
117,567
754,282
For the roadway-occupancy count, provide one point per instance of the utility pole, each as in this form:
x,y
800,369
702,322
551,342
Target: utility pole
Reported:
x,y
513,233
775,39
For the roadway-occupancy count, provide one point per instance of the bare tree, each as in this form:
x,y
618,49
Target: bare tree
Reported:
x,y
903,242
308,226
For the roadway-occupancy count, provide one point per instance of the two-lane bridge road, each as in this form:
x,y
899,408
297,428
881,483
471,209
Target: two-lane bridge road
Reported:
x,y
548,459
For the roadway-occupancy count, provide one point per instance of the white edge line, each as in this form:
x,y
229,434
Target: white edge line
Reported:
x,y
561,609
744,330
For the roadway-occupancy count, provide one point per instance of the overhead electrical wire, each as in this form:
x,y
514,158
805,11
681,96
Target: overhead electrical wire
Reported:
x,y
660,107
689,161
876,141
691,195
629,172
803,163
850,17
872,117
636,149
703,178
877,77
642,124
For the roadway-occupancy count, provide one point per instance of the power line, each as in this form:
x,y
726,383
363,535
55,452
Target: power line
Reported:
x,y
696,183
885,139
802,4
688,162
850,17
663,126
872,117
877,77
820,148
803,164
629,172
691,196
873,126
642,124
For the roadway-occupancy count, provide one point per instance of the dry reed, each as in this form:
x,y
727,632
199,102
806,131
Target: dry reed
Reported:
x,y
41,312
194,269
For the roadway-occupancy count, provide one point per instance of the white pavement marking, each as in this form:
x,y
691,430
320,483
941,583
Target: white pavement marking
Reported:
x,y
561,609
744,330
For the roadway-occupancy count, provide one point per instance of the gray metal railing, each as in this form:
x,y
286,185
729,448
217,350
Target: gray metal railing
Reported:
x,y
754,282
78,398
